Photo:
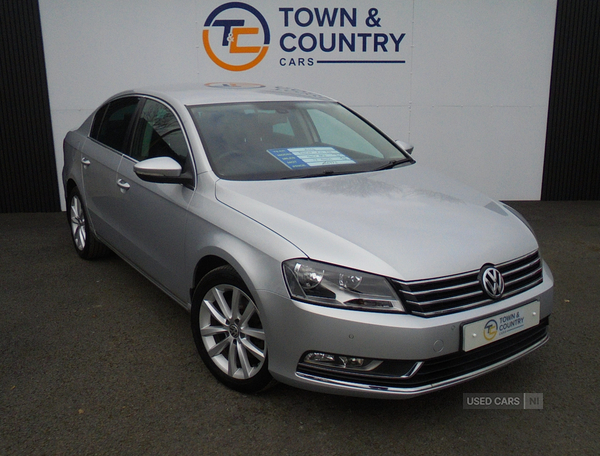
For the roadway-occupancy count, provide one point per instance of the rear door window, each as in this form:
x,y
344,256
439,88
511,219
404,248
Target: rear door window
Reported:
x,y
112,122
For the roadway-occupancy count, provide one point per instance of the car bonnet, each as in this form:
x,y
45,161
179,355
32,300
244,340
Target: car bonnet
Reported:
x,y
409,223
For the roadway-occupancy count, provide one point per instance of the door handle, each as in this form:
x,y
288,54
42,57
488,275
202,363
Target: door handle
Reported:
x,y
85,162
123,186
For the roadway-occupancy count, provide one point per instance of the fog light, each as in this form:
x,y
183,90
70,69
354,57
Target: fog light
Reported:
x,y
341,362
352,362
320,358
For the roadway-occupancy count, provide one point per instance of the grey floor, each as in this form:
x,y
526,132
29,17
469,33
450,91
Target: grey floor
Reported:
x,y
95,360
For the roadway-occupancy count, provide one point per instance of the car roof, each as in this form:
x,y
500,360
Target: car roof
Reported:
x,y
225,92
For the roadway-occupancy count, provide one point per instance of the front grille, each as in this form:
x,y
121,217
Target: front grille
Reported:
x,y
436,370
432,297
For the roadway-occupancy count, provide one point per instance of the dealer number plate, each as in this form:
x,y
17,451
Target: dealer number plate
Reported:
x,y
497,327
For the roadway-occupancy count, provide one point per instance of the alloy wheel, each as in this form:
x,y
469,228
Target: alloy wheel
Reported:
x,y
78,229
232,332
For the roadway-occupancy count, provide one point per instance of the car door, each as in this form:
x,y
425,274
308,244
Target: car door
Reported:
x,y
153,215
100,160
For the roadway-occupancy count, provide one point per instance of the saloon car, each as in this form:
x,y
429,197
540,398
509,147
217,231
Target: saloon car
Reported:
x,y
309,247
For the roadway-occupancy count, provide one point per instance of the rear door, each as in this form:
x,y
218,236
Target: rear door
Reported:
x,y
100,160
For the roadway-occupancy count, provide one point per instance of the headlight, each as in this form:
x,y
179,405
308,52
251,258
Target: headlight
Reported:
x,y
328,285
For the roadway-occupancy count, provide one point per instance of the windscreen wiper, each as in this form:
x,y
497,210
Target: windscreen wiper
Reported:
x,y
328,172
318,174
391,164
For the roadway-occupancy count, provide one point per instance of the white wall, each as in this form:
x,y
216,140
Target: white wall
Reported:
x,y
472,95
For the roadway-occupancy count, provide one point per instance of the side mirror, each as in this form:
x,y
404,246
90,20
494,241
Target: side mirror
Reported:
x,y
162,170
408,148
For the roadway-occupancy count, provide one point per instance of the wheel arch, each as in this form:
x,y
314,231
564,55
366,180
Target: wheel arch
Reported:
x,y
256,269
69,186
203,267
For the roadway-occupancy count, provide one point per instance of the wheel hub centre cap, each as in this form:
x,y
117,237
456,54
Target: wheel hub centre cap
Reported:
x,y
234,330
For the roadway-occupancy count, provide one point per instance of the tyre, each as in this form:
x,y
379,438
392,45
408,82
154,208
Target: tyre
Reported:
x,y
85,242
228,332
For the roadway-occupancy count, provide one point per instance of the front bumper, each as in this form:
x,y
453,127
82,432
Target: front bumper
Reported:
x,y
436,373
294,328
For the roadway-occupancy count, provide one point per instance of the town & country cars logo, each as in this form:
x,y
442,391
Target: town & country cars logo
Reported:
x,y
236,36
490,330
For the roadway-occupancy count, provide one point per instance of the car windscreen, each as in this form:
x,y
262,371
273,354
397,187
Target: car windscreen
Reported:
x,y
278,140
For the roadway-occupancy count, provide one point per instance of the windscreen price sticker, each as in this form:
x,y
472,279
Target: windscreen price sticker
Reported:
x,y
308,157
491,329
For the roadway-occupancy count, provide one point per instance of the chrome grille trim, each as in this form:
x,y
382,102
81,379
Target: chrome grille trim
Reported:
x,y
443,295
444,289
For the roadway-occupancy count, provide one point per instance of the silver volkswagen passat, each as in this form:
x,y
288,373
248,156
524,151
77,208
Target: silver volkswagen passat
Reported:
x,y
308,246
